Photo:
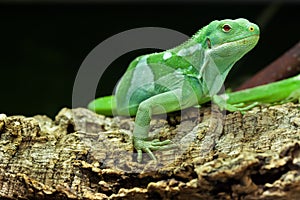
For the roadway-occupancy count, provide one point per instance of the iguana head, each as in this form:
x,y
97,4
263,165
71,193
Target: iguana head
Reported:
x,y
230,38
225,42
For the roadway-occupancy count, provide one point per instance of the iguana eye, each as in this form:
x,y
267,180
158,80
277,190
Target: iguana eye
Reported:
x,y
226,28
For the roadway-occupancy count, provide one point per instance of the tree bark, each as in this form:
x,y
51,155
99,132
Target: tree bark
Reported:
x,y
82,155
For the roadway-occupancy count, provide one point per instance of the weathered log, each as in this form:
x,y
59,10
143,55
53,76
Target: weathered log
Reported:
x,y
82,155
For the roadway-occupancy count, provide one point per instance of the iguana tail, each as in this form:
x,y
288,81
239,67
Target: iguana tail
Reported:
x,y
103,105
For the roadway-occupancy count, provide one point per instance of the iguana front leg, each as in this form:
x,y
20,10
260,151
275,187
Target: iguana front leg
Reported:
x,y
158,104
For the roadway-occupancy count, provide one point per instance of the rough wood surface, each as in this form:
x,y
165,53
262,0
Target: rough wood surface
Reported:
x,y
82,155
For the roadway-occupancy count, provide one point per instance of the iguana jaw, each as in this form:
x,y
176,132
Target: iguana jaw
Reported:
x,y
234,50
249,41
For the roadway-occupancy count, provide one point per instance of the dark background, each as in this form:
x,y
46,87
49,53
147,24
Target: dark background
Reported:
x,y
43,45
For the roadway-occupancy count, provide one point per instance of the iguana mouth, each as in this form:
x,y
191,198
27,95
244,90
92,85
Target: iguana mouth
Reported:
x,y
248,41
243,41
248,38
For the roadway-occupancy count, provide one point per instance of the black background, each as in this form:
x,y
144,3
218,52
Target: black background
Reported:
x,y
43,45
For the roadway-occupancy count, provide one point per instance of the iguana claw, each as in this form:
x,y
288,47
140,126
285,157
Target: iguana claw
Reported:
x,y
149,146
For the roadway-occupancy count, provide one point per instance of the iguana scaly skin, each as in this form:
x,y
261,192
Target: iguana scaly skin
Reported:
x,y
187,75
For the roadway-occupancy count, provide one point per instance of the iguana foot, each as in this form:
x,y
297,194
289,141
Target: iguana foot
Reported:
x,y
149,146
240,107
233,107
293,97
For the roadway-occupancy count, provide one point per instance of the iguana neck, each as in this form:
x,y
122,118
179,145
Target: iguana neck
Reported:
x,y
200,57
